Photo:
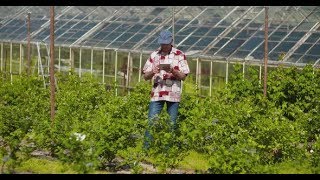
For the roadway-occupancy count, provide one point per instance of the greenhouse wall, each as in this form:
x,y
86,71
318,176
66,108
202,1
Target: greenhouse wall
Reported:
x,y
113,68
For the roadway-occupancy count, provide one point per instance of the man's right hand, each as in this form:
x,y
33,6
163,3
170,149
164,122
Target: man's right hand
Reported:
x,y
156,69
150,74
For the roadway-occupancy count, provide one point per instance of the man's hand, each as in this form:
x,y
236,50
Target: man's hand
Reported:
x,y
179,75
167,68
156,69
150,74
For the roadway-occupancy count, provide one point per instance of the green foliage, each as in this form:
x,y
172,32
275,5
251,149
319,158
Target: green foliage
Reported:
x,y
236,159
195,161
241,86
237,128
21,106
297,92
133,157
164,144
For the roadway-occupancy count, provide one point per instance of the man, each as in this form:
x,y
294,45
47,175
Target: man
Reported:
x,y
167,67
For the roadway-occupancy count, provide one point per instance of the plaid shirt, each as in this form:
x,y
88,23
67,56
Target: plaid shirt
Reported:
x,y
165,85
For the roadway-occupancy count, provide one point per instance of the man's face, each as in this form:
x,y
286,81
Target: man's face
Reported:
x,y
165,48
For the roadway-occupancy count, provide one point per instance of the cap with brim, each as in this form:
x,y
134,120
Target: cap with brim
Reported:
x,y
165,37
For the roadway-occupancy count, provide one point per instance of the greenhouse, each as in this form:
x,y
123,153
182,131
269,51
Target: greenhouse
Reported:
x,y
74,98
114,42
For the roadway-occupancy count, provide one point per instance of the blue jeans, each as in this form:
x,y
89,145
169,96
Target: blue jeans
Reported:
x,y
155,107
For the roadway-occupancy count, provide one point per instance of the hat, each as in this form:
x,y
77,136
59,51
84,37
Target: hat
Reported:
x,y
165,37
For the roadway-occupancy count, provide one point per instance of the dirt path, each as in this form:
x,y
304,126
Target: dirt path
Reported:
x,y
148,168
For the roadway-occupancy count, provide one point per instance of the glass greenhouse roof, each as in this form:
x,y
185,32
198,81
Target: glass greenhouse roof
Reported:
x,y
221,32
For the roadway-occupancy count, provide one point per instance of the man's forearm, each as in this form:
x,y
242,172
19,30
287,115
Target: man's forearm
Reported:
x,y
178,75
148,75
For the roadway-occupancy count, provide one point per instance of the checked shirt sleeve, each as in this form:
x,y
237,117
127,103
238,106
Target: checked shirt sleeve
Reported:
x,y
183,64
148,65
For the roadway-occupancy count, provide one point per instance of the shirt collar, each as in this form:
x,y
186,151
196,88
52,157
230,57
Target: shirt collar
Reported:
x,y
172,50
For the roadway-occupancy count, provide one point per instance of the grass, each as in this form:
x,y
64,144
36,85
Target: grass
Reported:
x,y
195,161
44,166
290,167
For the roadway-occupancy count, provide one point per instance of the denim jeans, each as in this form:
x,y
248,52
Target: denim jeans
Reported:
x,y
155,107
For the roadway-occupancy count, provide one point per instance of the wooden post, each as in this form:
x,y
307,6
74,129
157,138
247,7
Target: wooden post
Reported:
x,y
28,46
265,52
173,25
52,83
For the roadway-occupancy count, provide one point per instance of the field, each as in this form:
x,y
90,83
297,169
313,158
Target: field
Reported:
x,y
235,131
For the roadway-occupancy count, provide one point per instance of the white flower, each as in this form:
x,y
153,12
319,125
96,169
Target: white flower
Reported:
x,y
5,158
90,164
311,151
79,136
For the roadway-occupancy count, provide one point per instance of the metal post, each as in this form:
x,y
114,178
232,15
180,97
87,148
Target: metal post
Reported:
x,y
103,62
197,71
39,57
260,72
48,52
20,58
128,70
59,67
1,65
71,59
140,65
80,62
243,69
10,62
115,72
210,78
227,72
91,65
265,52
52,83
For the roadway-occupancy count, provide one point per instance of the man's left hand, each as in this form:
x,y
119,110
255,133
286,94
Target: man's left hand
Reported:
x,y
167,69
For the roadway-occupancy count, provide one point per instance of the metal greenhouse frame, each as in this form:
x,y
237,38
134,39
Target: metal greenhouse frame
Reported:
x,y
113,42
